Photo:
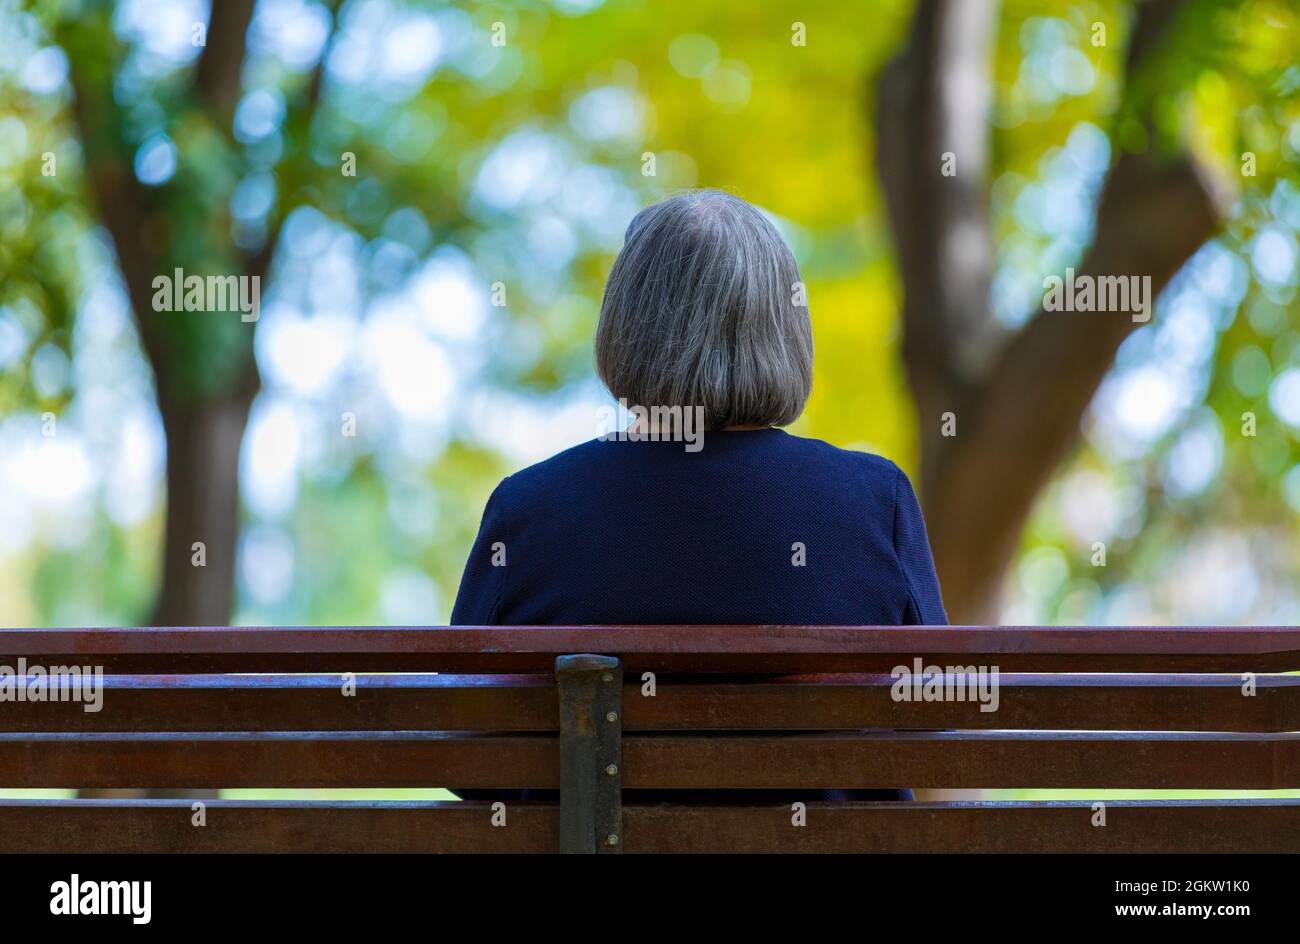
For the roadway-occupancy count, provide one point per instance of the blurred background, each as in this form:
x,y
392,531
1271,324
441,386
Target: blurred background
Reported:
x,y
426,321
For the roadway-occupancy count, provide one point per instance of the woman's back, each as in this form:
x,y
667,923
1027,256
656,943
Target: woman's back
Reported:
x,y
758,526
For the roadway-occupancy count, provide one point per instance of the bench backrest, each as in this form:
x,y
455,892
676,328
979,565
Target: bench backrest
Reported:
x,y
593,711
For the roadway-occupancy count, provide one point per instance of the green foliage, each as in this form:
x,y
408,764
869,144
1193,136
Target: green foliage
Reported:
x,y
721,97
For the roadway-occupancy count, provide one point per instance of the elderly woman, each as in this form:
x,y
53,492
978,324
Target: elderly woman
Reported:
x,y
705,511
703,328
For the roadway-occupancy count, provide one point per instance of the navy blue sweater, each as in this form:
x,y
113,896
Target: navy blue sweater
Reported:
x,y
758,527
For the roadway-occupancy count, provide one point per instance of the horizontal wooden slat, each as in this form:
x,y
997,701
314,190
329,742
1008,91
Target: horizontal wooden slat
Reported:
x,y
308,759
166,826
422,702
418,702
1053,702
769,649
965,760
968,759
1143,826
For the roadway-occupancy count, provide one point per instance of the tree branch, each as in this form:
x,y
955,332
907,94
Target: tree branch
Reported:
x,y
299,124
221,65
127,208
1027,415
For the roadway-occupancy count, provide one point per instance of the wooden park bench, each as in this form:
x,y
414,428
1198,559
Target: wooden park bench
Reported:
x,y
571,709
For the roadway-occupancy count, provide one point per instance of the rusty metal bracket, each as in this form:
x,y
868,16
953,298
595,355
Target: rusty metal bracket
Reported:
x,y
591,753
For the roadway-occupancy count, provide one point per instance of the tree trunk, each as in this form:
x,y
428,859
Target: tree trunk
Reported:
x,y
203,446
204,412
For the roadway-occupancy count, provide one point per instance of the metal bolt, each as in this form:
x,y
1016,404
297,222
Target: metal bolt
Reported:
x,y
611,769
612,716
611,840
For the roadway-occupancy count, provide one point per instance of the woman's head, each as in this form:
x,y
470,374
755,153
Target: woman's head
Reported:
x,y
705,308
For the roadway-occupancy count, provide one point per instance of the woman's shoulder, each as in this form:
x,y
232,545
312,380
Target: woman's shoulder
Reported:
x,y
544,475
864,464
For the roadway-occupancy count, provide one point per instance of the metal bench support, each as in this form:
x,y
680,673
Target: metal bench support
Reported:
x,y
591,753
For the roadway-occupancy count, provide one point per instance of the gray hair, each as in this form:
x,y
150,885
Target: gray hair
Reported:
x,y
705,308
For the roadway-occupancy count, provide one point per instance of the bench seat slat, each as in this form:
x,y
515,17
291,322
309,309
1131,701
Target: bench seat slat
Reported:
x,y
1052,702
942,759
425,702
302,759
966,760
189,703
764,649
1201,826
162,826
166,826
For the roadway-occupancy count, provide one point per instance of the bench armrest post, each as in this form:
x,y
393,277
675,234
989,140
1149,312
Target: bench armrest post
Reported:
x,y
591,753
